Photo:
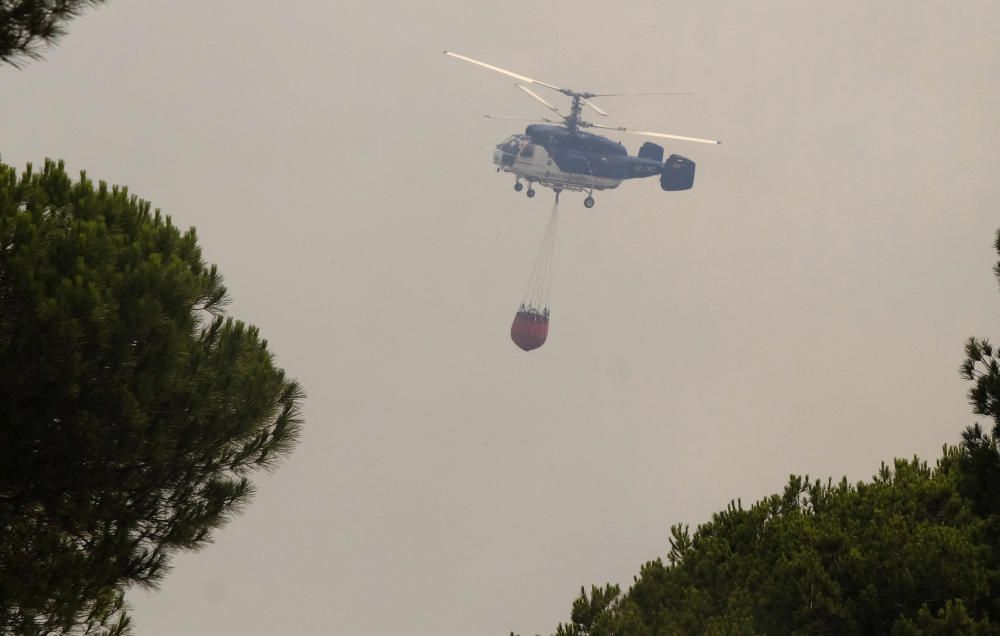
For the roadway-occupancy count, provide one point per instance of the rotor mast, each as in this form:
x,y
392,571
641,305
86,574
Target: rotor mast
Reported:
x,y
575,111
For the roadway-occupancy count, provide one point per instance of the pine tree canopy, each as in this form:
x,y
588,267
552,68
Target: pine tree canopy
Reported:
x,y
26,26
132,410
916,550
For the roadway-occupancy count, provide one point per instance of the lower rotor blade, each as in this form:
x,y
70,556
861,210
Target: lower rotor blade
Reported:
x,y
656,134
504,117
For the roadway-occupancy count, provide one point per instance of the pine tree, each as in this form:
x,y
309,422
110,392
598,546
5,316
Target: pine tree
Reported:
x,y
28,25
980,461
132,410
982,366
916,550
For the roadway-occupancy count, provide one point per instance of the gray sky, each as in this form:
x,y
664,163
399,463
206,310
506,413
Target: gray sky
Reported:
x,y
802,310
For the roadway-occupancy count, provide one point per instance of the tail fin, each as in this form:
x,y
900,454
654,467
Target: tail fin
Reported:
x,y
651,151
678,173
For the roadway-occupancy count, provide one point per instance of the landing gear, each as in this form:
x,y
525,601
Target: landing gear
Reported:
x,y
530,192
518,186
557,194
588,202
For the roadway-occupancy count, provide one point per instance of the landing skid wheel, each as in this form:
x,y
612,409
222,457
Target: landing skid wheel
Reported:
x,y
518,186
588,202
530,192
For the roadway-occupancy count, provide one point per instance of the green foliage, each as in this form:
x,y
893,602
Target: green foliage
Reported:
x,y
132,411
588,610
916,550
28,25
901,552
950,620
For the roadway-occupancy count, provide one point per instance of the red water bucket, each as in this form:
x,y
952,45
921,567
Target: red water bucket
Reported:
x,y
530,328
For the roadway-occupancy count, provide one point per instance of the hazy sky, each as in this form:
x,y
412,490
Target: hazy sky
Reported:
x,y
802,310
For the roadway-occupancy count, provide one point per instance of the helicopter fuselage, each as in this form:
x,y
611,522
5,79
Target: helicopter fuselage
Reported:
x,y
562,160
564,157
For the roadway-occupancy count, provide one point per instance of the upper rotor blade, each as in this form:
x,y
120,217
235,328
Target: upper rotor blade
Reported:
x,y
654,134
594,106
537,97
634,94
518,76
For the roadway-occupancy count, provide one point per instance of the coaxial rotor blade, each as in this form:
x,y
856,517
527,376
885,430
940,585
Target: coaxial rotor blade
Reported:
x,y
504,117
517,76
651,134
536,96
594,106
637,94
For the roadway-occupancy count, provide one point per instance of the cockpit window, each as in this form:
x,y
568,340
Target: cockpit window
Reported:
x,y
511,145
527,150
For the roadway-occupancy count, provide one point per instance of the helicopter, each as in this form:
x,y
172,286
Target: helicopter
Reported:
x,y
559,155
